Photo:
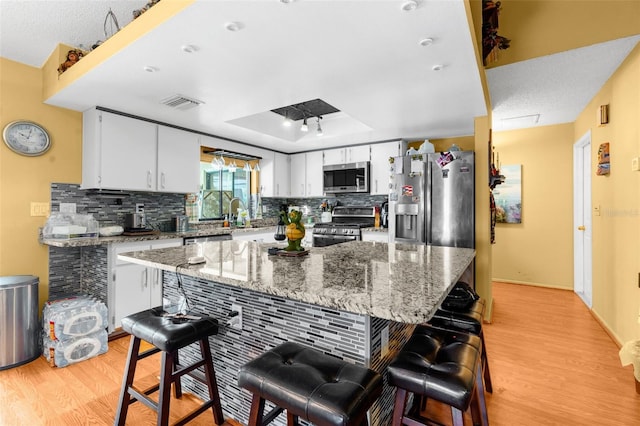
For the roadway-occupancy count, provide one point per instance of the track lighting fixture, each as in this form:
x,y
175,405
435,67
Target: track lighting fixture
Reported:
x,y
319,132
304,127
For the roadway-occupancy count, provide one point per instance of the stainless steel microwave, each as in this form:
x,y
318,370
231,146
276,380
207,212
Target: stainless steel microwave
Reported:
x,y
350,177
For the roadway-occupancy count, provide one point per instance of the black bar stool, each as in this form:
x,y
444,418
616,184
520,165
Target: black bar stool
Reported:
x,y
468,320
309,384
168,334
441,365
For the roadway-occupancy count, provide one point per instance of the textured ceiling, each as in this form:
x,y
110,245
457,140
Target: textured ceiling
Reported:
x,y
363,57
30,30
555,88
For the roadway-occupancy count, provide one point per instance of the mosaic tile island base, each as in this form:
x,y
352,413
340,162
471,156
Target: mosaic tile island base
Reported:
x,y
340,299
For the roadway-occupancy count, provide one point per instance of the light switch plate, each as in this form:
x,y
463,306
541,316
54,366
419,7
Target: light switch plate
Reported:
x,y
635,164
40,209
596,210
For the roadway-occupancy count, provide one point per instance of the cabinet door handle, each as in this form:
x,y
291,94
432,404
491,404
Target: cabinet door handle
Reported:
x,y
148,178
144,278
277,189
376,186
162,180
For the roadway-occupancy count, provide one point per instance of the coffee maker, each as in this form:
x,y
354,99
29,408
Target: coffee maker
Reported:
x,y
136,221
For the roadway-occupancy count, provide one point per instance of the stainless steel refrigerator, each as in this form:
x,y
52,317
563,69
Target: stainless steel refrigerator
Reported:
x,y
432,200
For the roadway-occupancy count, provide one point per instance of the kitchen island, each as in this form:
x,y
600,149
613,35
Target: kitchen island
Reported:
x,y
358,301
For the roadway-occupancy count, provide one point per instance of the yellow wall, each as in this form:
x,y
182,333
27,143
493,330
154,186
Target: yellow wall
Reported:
x,y
24,180
544,27
540,249
616,232
484,250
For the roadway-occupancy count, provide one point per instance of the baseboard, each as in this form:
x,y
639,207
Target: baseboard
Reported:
x,y
117,334
488,313
606,328
595,316
555,287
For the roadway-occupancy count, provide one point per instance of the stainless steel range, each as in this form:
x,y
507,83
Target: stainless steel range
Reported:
x,y
347,221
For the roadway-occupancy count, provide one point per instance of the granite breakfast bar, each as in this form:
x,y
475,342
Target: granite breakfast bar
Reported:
x,y
358,301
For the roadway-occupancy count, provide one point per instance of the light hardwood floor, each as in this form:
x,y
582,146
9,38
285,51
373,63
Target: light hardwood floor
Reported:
x,y
551,364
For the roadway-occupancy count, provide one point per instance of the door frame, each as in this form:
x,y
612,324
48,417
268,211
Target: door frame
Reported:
x,y
582,239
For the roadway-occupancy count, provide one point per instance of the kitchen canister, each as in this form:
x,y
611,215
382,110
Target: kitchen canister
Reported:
x,y
181,223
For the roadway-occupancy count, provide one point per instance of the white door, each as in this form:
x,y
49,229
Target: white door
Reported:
x,y
582,232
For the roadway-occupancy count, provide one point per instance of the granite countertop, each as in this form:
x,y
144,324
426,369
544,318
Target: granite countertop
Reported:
x,y
399,282
202,230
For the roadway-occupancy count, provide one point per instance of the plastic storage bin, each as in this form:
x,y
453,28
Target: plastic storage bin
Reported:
x,y
63,226
19,326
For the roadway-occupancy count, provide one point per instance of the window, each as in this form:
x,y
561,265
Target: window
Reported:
x,y
219,187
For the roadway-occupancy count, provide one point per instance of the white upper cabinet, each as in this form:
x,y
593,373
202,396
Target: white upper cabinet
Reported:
x,y
274,175
178,161
314,175
120,152
352,154
306,174
379,167
281,175
298,175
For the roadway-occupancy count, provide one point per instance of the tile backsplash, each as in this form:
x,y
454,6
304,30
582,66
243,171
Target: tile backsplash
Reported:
x,y
110,208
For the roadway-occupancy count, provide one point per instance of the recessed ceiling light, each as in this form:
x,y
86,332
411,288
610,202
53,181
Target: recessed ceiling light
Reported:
x,y
426,41
409,5
189,48
148,68
437,67
233,26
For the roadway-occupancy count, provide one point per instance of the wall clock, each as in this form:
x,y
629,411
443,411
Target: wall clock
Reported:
x,y
26,138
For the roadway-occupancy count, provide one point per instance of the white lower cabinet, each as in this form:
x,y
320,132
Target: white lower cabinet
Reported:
x,y
264,235
133,288
378,236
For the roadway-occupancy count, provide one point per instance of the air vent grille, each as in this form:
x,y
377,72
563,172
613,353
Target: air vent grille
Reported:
x,y
181,102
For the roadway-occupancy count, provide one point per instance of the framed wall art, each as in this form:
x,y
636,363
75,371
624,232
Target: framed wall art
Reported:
x,y
508,195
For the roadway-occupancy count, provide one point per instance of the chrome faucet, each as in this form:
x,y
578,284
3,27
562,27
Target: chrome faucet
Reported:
x,y
233,213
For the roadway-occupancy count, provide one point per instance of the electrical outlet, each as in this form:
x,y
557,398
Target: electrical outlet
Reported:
x,y
384,342
236,321
635,164
67,207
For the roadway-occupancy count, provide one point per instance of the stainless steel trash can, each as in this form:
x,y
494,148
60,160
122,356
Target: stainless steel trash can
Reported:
x,y
19,325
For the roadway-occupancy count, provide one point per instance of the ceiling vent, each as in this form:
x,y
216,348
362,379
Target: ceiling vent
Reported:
x,y
181,102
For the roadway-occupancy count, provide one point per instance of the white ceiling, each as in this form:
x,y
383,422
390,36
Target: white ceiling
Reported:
x,y
363,57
